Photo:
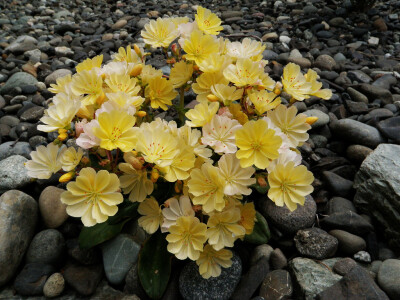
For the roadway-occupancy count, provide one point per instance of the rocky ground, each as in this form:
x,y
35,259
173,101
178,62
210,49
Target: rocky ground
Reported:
x,y
343,244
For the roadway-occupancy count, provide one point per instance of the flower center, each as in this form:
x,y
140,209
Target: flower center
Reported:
x,y
256,145
116,134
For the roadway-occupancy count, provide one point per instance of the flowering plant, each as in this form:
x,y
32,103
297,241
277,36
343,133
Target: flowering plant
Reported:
x,y
188,179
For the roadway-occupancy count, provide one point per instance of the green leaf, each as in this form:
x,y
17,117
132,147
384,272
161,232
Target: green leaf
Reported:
x,y
261,233
154,266
99,233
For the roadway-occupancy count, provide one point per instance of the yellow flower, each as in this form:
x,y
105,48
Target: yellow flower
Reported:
x,y
214,62
246,48
116,130
148,73
127,55
151,215
207,186
205,81
294,127
45,161
201,114
223,228
89,64
187,238
124,100
237,179
208,22
135,182
123,83
93,196
60,113
191,138
88,83
312,77
211,261
174,210
247,216
258,144
219,134
179,20
236,110
181,73
200,46
245,72
264,101
289,185
180,166
62,85
294,82
226,94
161,92
159,33
71,158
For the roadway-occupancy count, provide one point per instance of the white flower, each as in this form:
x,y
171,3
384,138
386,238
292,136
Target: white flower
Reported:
x,y
219,134
176,209
247,48
45,161
285,156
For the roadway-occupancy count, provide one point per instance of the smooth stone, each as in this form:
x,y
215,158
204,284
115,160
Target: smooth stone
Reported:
x,y
133,285
357,108
8,149
385,253
119,255
63,51
380,25
375,92
378,190
31,280
9,120
54,285
192,286
278,260
356,284
357,96
389,279
119,24
339,204
83,279
52,210
349,244
13,174
312,277
344,266
323,118
359,76
303,62
47,247
358,153
337,184
325,62
315,243
348,221
106,292
287,221
259,252
356,132
390,128
18,218
386,81
276,285
18,79
33,114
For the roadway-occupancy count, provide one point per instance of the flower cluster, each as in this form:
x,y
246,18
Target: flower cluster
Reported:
x,y
238,135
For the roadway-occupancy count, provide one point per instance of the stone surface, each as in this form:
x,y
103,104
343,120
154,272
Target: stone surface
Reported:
x,y
376,92
362,256
348,221
83,279
18,79
31,280
312,277
13,174
52,78
8,149
194,287
259,252
323,118
276,285
53,211
344,265
315,243
348,243
287,221
378,190
389,279
47,247
390,128
18,217
278,260
119,255
54,285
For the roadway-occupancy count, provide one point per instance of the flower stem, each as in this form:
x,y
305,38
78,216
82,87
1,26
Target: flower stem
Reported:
x,y
181,104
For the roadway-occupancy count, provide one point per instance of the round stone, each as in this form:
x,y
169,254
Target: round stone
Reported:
x,y
54,286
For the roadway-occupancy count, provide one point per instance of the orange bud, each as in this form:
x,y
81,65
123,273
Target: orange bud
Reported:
x,y
137,50
261,87
85,160
278,88
62,137
141,113
311,120
261,181
154,175
100,99
67,176
196,67
171,60
136,70
104,162
178,186
212,98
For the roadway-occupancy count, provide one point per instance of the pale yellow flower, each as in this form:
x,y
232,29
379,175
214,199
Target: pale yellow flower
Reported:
x,y
237,179
223,228
236,110
180,167
200,46
45,161
205,81
62,85
289,185
191,138
201,114
90,63
71,158
208,22
93,196
214,62
159,33
294,82
248,48
125,101
247,216
264,101
207,186
90,84
244,72
148,73
151,213
211,261
294,127
226,94
175,209
135,182
128,55
187,238
316,90
258,144
181,73
123,83
179,20
161,92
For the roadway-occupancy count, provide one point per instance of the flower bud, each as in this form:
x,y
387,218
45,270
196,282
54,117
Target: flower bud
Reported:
x,y
136,70
278,88
85,160
137,50
131,159
141,113
175,49
212,98
154,175
311,120
67,176
196,67
261,87
101,98
261,181
171,60
62,137
178,186
62,130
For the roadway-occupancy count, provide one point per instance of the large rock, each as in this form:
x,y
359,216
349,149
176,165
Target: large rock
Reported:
x,y
18,217
389,277
313,277
378,189
315,243
47,247
13,174
53,211
194,287
18,79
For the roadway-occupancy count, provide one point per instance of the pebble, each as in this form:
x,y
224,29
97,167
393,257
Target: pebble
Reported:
x,y
337,184
47,247
325,62
8,149
83,279
315,243
31,280
276,285
339,204
18,79
259,252
349,244
388,277
344,266
13,174
348,221
52,78
375,92
390,128
323,118
362,256
358,153
54,285
278,260
119,24
52,210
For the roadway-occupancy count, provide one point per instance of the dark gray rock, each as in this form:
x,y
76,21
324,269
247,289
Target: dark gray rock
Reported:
x,y
347,221
378,190
315,243
325,62
337,184
344,266
11,148
31,280
259,252
287,221
390,128
339,204
389,279
13,174
375,92
84,256
278,260
323,118
18,79
83,279
348,243
357,153
194,287
359,76
276,285
357,96
33,114
386,81
52,78
18,217
47,247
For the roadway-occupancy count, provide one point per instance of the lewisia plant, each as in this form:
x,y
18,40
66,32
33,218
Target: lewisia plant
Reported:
x,y
193,176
